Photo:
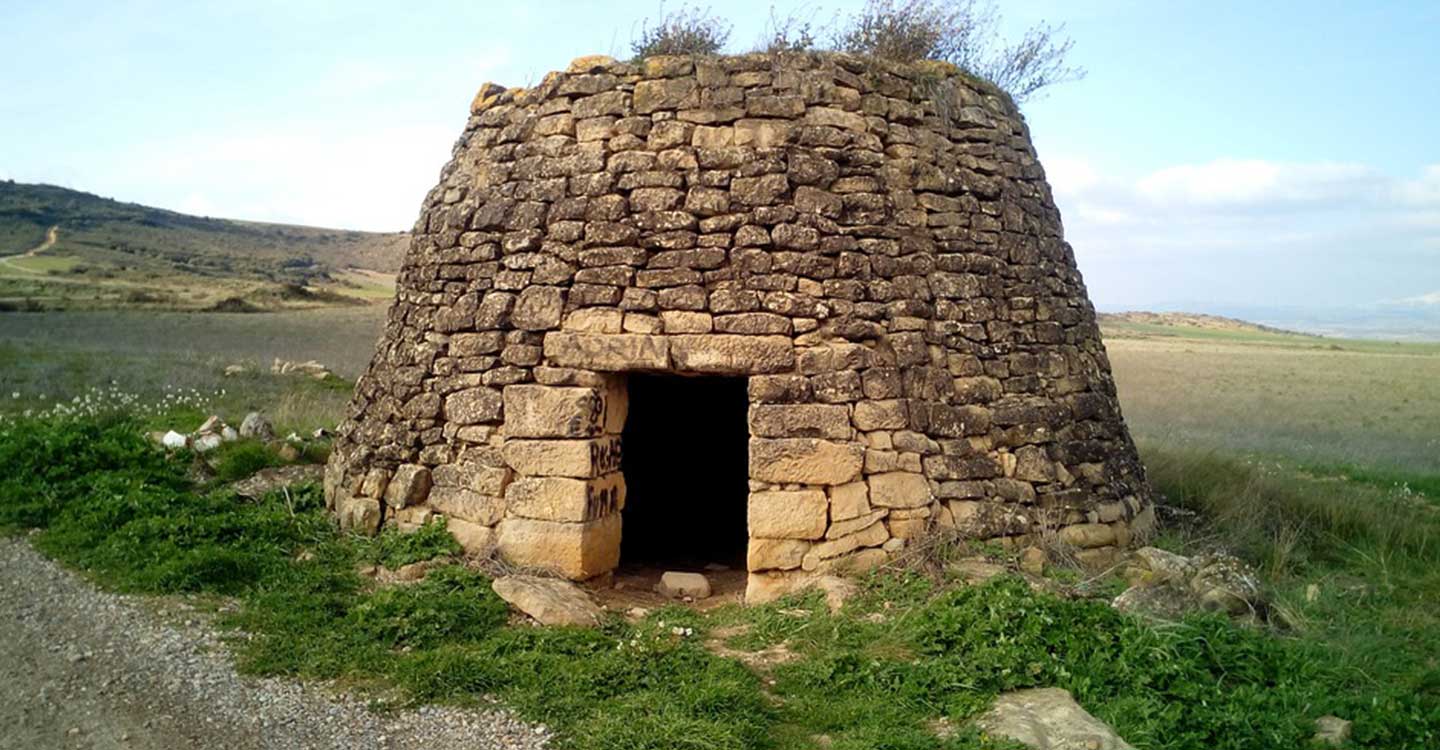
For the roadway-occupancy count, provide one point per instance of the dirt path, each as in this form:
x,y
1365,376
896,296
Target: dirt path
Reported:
x,y
84,669
51,236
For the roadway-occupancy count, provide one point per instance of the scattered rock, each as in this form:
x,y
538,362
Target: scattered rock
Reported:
x,y
288,452
1332,730
256,426
550,601
206,442
677,585
1167,585
1048,719
1033,560
413,571
262,482
837,591
174,440
233,370
976,570
310,368
228,434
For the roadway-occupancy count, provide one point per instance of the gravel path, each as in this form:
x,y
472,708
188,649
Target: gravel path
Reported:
x,y
80,668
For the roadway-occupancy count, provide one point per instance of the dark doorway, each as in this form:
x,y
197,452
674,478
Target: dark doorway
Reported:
x,y
686,464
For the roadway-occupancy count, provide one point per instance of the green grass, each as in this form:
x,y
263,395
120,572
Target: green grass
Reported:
x,y
908,651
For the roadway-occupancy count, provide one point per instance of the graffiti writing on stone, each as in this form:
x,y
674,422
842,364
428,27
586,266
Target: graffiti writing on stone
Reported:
x,y
605,455
601,500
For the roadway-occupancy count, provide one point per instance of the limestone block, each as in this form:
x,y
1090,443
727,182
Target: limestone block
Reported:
x,y
686,321
538,308
775,554
850,526
1032,465
761,133
889,414
860,561
899,489
676,93
409,486
1088,535
788,514
590,64
962,467
907,528
574,550
473,475
549,601
1048,717
475,539
617,352
800,420
582,459
849,501
377,480
360,515
595,320
804,461
873,535
763,588
474,406
542,411
467,505
566,498
729,354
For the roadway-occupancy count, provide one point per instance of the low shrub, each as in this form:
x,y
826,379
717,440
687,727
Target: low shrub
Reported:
x,y
688,31
393,548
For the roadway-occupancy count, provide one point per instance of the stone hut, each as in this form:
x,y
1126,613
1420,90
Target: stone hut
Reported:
x,y
787,312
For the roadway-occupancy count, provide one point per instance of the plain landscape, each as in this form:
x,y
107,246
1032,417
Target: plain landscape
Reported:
x,y
279,486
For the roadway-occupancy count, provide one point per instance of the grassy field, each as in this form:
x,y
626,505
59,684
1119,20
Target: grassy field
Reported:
x,y
1308,457
1301,398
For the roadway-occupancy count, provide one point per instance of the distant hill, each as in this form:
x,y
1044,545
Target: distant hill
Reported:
x,y
1190,320
105,253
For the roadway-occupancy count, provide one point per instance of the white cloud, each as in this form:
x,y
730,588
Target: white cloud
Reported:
x,y
1316,232
1236,183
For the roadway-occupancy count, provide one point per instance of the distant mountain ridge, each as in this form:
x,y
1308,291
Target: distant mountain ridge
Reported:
x,y
1191,320
130,232
63,248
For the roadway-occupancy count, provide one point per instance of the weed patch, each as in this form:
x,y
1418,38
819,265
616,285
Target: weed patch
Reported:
x,y
908,651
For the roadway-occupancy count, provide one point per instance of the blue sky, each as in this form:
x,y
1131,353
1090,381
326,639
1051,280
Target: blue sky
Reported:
x,y
1218,153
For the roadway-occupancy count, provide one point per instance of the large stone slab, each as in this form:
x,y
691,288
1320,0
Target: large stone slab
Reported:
x,y
582,459
775,554
467,505
804,461
800,420
899,489
476,539
473,406
788,514
574,550
566,499
549,601
543,411
732,354
1048,719
607,352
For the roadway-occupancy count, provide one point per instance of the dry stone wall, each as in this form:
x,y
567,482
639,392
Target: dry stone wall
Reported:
x,y
873,246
